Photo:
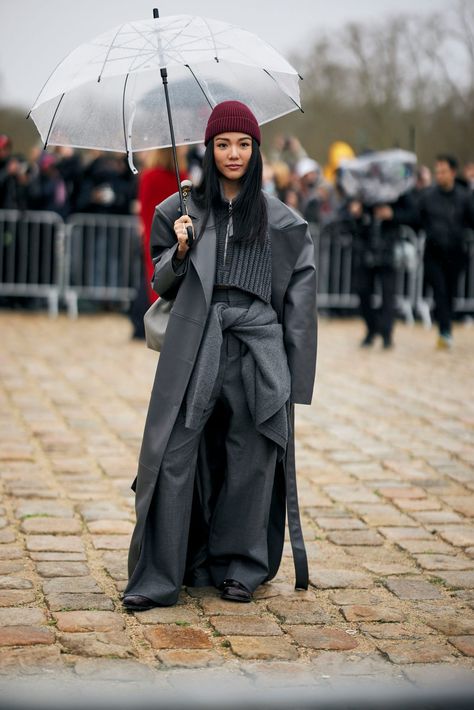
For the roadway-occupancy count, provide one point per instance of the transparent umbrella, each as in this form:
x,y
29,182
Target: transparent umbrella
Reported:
x,y
378,177
153,84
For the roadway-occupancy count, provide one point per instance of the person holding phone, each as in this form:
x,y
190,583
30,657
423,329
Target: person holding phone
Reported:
x,y
216,473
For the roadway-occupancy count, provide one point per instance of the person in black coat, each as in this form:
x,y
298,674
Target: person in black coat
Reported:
x,y
47,189
446,211
107,186
13,178
376,230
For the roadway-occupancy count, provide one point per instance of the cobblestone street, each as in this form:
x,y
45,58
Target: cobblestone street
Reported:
x,y
385,459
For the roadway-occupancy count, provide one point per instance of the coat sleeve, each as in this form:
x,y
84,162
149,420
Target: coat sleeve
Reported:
x,y
300,324
169,271
405,211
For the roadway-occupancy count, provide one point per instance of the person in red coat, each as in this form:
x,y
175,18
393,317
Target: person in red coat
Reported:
x,y
157,181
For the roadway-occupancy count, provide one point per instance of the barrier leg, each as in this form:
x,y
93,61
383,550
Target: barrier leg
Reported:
x,y
71,302
53,303
424,310
406,309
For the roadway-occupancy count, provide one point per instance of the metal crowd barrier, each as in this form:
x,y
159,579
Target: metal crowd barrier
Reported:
x,y
98,257
103,259
464,300
422,297
333,250
32,255
334,257
89,256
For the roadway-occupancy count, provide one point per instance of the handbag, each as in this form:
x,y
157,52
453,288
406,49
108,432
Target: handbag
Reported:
x,y
156,317
405,256
155,321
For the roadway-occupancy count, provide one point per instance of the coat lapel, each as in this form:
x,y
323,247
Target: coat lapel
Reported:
x,y
203,252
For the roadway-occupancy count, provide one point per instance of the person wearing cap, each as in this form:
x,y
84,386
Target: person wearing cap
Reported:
x,y
308,173
216,473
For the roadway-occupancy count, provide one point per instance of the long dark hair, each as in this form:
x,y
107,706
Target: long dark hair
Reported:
x,y
249,210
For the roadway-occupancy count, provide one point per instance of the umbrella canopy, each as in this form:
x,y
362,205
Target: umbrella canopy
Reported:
x,y
108,93
378,177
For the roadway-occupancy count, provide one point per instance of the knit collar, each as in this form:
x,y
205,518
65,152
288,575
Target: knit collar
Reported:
x,y
225,199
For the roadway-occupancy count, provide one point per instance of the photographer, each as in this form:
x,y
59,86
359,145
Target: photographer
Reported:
x,y
376,230
446,211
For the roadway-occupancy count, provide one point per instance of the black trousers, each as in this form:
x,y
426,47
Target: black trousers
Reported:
x,y
237,544
442,275
378,320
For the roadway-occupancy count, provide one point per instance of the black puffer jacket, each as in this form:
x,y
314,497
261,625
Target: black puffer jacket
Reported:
x,y
374,240
445,216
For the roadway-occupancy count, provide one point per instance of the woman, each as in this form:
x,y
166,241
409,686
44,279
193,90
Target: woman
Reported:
x,y
217,458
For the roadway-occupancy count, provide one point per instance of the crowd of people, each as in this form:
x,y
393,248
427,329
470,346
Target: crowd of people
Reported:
x,y
440,205
64,180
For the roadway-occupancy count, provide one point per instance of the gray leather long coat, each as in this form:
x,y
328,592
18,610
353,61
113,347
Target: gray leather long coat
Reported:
x,y
294,300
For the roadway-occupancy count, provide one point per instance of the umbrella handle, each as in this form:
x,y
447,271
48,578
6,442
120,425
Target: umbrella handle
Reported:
x,y
185,187
190,240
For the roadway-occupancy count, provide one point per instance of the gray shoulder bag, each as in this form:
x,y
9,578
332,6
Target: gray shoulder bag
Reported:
x,y
155,321
156,318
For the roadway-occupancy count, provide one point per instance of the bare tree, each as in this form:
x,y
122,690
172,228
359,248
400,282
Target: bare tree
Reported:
x,y
380,84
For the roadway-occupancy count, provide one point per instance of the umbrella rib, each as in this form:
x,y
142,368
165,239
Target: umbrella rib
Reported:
x,y
150,56
52,121
167,43
179,52
160,50
128,134
147,39
127,46
145,56
123,114
108,52
191,39
212,37
200,86
178,33
44,85
284,92
124,46
222,44
226,45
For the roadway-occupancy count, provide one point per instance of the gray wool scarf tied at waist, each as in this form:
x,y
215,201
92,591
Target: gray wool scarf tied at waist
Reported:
x,y
265,372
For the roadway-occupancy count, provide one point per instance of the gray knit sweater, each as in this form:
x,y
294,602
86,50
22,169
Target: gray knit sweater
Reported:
x,y
247,266
265,373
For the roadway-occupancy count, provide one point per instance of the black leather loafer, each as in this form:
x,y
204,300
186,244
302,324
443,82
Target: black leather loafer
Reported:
x,y
137,602
235,591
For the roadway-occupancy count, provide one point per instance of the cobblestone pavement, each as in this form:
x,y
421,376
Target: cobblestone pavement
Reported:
x,y
385,468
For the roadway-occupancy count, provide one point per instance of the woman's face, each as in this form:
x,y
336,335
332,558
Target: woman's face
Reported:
x,y
232,153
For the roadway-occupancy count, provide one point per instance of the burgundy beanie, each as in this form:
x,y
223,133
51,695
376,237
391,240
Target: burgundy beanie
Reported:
x,y
232,116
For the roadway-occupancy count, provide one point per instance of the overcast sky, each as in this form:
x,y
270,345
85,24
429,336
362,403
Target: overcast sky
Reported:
x,y
36,34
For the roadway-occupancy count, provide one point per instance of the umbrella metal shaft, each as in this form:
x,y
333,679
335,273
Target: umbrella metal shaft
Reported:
x,y
164,77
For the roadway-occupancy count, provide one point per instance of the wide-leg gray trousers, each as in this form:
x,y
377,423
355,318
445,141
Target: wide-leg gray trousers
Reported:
x,y
237,545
